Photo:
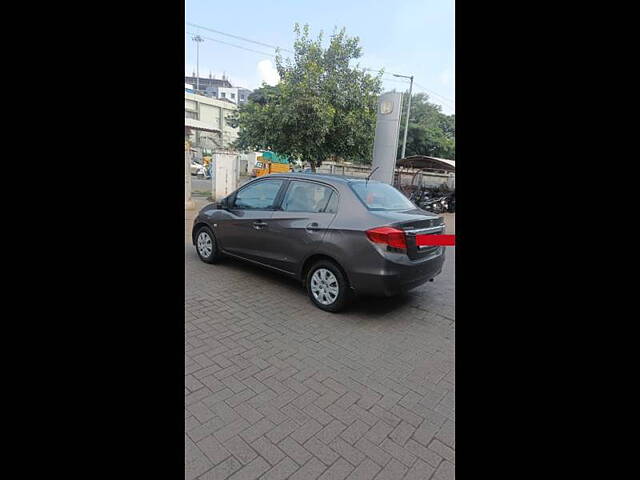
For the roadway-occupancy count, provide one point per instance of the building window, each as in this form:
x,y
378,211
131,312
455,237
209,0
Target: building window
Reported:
x,y
241,97
223,95
190,114
233,95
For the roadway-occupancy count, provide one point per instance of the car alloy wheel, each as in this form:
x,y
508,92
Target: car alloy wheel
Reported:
x,y
205,244
324,286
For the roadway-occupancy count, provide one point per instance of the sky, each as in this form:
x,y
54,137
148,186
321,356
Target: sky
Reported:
x,y
408,37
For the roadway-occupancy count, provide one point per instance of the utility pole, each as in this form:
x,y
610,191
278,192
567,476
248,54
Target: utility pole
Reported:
x,y
198,39
406,122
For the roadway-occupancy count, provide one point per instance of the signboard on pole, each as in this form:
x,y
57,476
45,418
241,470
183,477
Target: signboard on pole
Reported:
x,y
385,144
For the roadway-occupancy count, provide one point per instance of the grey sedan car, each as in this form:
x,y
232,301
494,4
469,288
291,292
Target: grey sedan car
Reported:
x,y
340,236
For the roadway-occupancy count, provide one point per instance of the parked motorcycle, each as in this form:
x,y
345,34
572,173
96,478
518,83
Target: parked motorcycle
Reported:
x,y
432,199
451,202
435,205
413,193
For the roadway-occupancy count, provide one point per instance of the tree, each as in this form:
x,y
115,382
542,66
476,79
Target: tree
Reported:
x,y
256,119
322,108
431,132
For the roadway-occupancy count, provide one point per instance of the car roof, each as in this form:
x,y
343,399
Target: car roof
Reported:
x,y
325,177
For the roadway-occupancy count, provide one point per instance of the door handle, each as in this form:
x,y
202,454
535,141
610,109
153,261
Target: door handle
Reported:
x,y
259,224
312,227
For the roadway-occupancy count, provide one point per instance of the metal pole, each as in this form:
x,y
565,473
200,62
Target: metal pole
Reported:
x,y
406,121
197,66
198,39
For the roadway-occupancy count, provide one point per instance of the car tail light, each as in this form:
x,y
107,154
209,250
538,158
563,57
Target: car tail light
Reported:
x,y
388,236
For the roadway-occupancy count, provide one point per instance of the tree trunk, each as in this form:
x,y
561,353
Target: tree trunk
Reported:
x,y
313,165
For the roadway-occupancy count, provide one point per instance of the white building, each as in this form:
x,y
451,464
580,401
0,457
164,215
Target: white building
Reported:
x,y
219,88
205,119
237,95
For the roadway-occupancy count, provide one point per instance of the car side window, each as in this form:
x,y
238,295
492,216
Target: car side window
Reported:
x,y
259,196
332,205
306,197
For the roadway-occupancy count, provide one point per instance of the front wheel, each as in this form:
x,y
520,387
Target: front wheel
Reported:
x,y
327,287
206,245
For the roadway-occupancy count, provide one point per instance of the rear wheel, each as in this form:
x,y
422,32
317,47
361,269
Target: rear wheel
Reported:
x,y
327,286
206,245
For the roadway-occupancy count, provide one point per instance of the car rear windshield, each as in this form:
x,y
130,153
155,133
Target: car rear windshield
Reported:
x,y
381,196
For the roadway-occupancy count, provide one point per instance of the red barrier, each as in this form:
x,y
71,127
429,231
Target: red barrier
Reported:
x,y
436,240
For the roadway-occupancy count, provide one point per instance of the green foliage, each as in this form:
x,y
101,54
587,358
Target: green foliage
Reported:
x,y
322,107
431,132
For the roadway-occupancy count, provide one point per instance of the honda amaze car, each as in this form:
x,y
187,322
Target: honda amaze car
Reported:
x,y
339,236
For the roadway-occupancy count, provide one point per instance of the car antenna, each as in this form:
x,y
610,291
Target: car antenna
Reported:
x,y
369,176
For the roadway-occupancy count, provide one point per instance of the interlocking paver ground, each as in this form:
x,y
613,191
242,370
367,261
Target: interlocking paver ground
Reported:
x,y
276,388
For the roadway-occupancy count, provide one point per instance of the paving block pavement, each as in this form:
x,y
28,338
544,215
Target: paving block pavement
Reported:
x,y
278,389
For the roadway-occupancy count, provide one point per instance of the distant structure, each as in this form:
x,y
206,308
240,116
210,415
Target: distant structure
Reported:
x,y
424,162
222,89
385,142
206,123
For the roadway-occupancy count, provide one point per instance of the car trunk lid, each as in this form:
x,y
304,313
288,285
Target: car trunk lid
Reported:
x,y
416,224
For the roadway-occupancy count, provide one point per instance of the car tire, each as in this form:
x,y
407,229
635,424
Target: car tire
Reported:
x,y
206,245
322,280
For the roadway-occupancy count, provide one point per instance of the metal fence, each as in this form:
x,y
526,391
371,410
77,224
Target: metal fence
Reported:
x,y
230,169
403,176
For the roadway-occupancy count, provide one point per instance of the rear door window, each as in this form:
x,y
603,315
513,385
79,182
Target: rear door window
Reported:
x,y
306,197
332,206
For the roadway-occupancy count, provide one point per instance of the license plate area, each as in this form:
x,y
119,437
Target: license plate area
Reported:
x,y
424,241
418,244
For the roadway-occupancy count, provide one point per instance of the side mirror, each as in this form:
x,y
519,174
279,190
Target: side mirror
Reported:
x,y
222,204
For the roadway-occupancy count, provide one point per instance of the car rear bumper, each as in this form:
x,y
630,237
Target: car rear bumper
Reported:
x,y
391,278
